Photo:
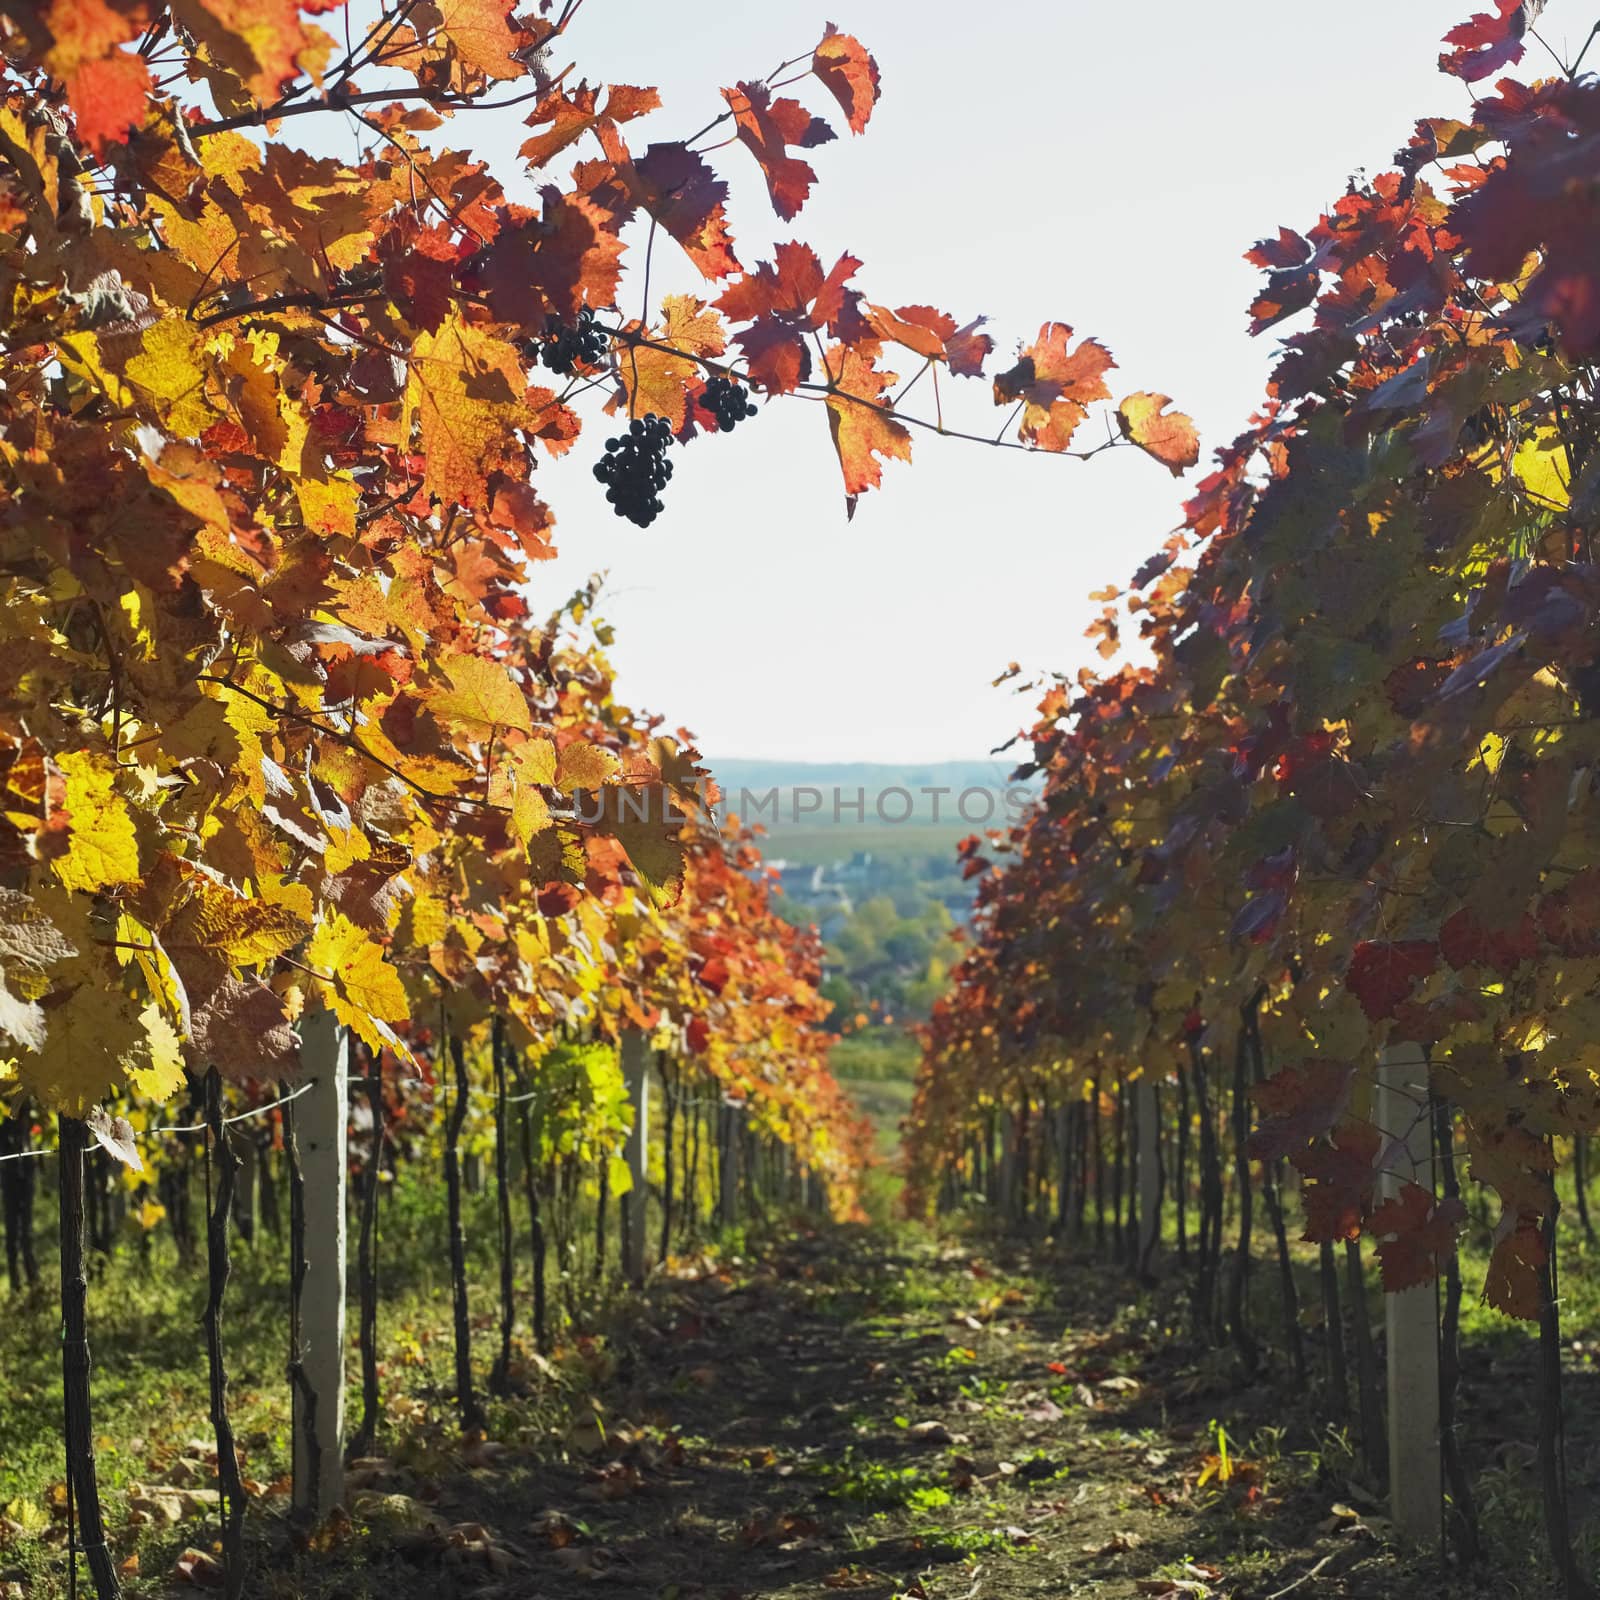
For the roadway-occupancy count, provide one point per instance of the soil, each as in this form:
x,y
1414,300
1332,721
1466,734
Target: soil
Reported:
x,y
883,1416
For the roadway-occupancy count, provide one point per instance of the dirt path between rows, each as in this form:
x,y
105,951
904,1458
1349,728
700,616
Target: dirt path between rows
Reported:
x,y
870,1416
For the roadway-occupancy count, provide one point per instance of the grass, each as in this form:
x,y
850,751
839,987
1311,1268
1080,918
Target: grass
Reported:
x,y
1074,1421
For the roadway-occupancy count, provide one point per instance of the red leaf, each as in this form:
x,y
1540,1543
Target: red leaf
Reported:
x,y
1422,1236
108,98
1340,1178
767,128
1382,973
1570,916
785,300
1486,42
1299,1104
676,186
1465,939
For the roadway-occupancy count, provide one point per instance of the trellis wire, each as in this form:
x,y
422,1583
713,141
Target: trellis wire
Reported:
x,y
190,1127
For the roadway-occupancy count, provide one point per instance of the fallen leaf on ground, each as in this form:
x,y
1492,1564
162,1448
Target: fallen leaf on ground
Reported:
x,y
196,1567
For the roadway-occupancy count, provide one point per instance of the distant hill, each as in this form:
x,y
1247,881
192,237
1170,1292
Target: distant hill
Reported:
x,y
926,806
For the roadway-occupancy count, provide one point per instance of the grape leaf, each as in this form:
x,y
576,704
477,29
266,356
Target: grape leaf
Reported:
x,y
1383,973
1169,436
362,989
482,696
865,431
849,73
102,847
1054,385
767,128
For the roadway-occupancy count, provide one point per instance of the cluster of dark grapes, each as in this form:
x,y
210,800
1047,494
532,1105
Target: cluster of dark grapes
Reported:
x,y
727,402
575,344
635,469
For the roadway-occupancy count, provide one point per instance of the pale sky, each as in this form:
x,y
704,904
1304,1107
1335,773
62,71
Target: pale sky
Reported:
x,y
1102,165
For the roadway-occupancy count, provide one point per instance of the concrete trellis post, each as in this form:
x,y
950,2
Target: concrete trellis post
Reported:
x,y
1410,1317
320,1133
636,1074
1148,1119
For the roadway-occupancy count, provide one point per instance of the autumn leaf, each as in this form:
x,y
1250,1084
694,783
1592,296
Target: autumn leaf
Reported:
x,y
848,72
784,300
478,36
1514,1283
1054,386
481,696
1416,1234
114,1135
865,432
261,43
242,1028
102,846
767,128
160,1075
934,335
92,1038
247,932
660,382
1383,973
582,765
1487,41
463,391
677,188
362,989
565,116
566,258
1169,436
1340,1180
108,85
1298,1104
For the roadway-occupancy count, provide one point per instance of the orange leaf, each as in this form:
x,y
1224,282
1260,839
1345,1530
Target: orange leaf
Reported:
x,y
848,72
107,86
1169,436
1055,385
862,433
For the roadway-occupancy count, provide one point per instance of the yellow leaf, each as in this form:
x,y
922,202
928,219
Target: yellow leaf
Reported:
x,y
244,931
102,848
1542,465
170,371
585,766
162,1076
656,381
346,846
93,1037
481,697
464,391
328,507
363,990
